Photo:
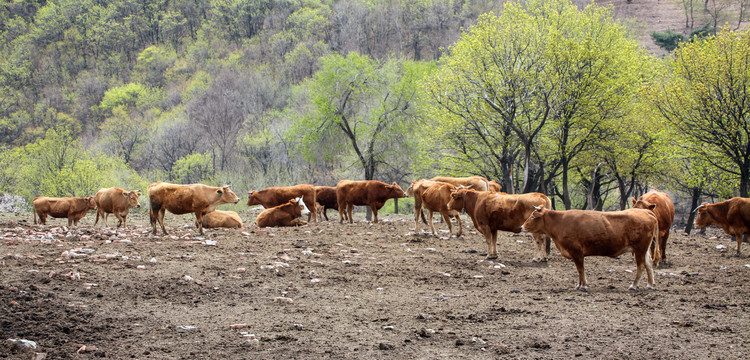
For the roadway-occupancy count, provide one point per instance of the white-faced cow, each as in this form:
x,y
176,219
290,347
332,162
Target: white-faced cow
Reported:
x,y
277,195
287,214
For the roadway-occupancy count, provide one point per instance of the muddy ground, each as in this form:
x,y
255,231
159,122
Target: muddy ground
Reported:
x,y
353,291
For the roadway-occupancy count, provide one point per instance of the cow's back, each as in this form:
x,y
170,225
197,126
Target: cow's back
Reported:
x,y
739,213
664,209
478,183
220,218
326,196
278,195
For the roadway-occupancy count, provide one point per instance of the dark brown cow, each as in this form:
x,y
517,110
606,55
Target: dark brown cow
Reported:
x,y
664,211
182,199
284,215
326,196
581,233
478,183
115,201
434,196
491,212
277,195
73,208
732,216
370,193
221,219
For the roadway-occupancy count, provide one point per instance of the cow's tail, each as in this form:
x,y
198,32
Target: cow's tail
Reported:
x,y
655,242
423,219
33,213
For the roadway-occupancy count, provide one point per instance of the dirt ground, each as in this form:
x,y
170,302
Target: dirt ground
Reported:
x,y
353,291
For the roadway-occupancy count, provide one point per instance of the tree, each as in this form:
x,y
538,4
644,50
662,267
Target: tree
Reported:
x,y
360,108
707,97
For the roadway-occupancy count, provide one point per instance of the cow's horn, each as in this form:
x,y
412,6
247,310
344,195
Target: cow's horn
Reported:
x,y
538,208
226,186
699,206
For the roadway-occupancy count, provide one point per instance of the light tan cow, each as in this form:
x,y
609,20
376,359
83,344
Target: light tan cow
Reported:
x,y
221,219
183,199
73,208
115,201
478,183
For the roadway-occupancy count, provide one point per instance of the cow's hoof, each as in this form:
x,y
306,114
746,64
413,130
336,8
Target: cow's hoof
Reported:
x,y
491,257
634,288
649,287
582,288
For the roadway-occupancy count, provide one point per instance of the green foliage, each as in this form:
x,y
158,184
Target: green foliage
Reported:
x,y
669,40
194,168
703,32
152,64
132,96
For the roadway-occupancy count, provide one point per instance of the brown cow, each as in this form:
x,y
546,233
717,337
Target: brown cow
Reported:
x,y
478,183
581,233
664,212
494,186
221,219
115,201
370,193
182,199
284,215
491,212
434,196
732,216
73,208
326,196
277,195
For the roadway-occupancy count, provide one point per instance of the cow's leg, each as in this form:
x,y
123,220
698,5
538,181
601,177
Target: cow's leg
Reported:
x,y
124,221
342,210
119,220
447,219
43,219
374,213
98,211
739,244
417,211
540,254
663,245
582,283
349,209
641,258
432,225
460,225
160,218
199,219
494,243
70,221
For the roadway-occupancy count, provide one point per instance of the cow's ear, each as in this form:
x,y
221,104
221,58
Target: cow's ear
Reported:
x,y
218,192
633,200
124,194
651,206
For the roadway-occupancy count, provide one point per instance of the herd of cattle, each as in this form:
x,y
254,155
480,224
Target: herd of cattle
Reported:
x,y
644,229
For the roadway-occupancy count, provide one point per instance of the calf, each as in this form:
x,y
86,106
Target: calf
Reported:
x,y
73,208
434,196
284,215
183,199
277,195
326,197
221,219
581,233
370,193
115,201
491,212
664,212
732,216
478,183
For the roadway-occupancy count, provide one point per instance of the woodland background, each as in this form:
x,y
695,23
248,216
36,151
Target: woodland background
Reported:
x,y
581,101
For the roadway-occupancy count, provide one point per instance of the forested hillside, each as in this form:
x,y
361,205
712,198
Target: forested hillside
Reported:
x,y
548,96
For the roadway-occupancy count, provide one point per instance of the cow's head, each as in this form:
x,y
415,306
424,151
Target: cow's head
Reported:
x,y
704,217
132,198
395,191
302,207
90,202
535,222
410,190
643,204
252,198
226,195
457,198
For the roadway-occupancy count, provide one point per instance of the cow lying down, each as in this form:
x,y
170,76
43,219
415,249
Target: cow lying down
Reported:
x,y
287,214
221,219
581,233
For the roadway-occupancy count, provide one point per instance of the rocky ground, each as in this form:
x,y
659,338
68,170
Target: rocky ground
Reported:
x,y
353,291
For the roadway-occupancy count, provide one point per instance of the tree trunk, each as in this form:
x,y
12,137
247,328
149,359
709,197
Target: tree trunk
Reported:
x,y
395,206
693,204
565,192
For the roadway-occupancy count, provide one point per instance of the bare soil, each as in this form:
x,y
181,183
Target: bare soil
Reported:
x,y
363,290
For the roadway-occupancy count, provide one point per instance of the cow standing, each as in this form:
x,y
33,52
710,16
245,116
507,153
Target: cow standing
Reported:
x,y
221,219
283,215
664,211
73,208
433,196
115,201
326,197
581,233
478,183
491,212
732,216
182,199
370,193
277,195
